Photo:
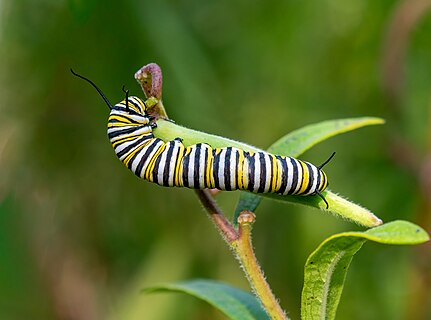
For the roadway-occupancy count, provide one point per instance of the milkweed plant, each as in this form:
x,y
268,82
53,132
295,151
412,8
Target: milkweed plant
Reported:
x,y
325,269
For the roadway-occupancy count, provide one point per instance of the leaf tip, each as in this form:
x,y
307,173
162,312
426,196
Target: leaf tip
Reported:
x,y
351,211
377,221
377,120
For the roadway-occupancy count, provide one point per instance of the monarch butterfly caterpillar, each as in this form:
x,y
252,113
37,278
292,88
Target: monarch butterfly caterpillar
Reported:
x,y
199,166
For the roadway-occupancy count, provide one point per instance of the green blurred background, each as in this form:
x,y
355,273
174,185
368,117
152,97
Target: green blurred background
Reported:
x,y
80,236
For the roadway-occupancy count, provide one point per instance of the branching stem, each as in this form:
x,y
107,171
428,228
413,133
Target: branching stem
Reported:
x,y
223,225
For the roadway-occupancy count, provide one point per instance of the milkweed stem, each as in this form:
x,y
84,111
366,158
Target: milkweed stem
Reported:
x,y
240,243
243,248
225,228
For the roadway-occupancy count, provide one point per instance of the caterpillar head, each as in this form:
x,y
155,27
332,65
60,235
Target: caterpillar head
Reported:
x,y
129,113
127,121
131,107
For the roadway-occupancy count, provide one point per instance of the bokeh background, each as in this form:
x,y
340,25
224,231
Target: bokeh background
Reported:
x,y
80,236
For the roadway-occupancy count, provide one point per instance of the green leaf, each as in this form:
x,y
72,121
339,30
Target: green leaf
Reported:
x,y
234,303
296,143
326,268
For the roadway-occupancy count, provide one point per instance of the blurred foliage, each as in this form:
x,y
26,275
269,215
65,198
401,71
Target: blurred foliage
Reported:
x,y
80,235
